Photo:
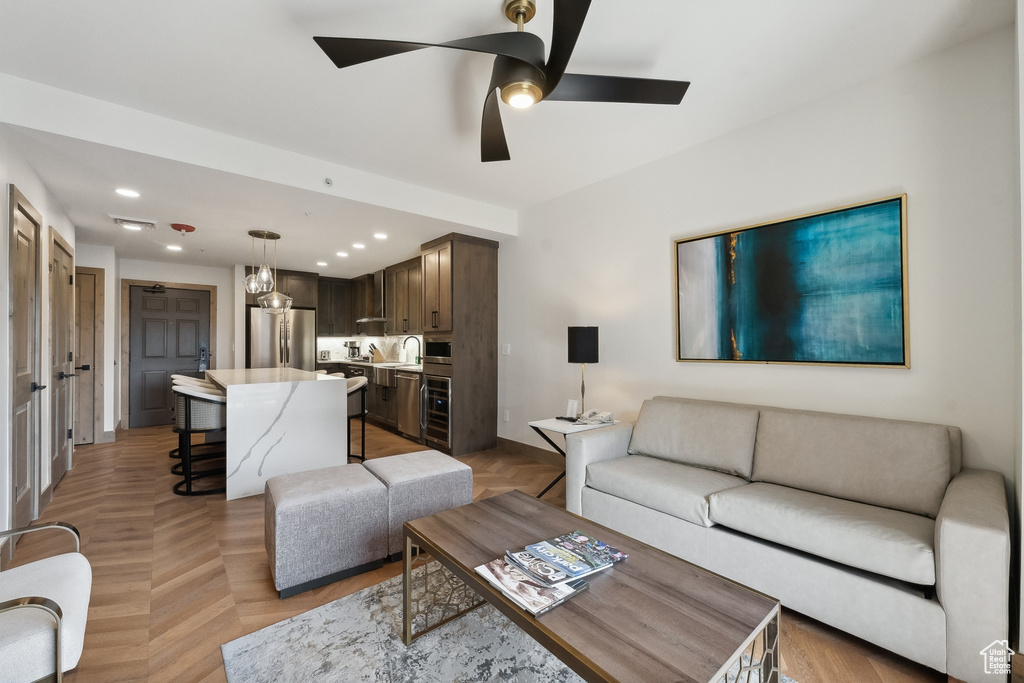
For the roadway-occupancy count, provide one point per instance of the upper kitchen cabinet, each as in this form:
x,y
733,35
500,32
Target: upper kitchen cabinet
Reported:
x,y
332,311
300,286
436,258
404,292
363,294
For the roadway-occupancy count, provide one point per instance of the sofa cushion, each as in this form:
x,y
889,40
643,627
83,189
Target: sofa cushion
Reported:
x,y
888,542
718,436
673,488
900,465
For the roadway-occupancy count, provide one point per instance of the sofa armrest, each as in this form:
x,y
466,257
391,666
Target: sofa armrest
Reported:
x,y
972,568
583,448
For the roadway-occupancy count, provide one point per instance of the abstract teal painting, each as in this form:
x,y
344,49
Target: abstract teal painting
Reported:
x,y
829,288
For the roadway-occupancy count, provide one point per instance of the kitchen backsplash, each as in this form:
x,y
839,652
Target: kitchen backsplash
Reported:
x,y
391,347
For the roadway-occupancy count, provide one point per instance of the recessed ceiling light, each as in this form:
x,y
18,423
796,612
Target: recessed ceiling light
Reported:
x,y
174,247
359,245
125,192
343,254
132,224
380,235
321,263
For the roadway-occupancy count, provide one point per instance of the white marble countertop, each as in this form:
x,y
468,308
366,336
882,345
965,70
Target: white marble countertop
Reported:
x,y
226,378
410,367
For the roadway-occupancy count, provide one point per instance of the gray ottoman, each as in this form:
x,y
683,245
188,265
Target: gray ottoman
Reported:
x,y
420,484
324,525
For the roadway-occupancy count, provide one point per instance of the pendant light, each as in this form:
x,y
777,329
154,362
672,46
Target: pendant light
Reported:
x,y
251,284
260,279
274,302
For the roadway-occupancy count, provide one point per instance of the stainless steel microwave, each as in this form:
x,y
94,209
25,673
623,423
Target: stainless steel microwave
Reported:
x,y
437,350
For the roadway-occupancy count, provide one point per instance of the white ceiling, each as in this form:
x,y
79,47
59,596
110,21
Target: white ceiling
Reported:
x,y
248,76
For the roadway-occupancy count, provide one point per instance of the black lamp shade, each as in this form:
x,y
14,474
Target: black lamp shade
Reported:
x,y
582,344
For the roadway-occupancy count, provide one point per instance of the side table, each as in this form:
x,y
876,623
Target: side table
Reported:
x,y
564,428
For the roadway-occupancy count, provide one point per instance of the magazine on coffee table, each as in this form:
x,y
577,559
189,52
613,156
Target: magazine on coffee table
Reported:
x,y
532,596
566,557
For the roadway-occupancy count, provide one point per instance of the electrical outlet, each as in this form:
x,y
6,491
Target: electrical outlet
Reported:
x,y
506,416
506,350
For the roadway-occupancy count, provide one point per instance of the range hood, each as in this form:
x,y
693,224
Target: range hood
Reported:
x,y
378,301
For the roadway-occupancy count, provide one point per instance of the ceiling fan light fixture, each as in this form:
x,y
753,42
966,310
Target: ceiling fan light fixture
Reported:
x,y
521,94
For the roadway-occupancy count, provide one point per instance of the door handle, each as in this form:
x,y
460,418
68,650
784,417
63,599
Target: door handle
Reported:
x,y
35,386
81,367
423,406
280,344
65,375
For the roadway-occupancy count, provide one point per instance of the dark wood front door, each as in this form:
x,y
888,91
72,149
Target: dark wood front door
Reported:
x,y
168,328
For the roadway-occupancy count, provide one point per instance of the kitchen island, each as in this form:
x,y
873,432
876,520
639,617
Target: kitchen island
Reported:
x,y
280,420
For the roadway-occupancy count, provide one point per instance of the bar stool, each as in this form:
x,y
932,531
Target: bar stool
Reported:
x,y
357,408
199,411
209,450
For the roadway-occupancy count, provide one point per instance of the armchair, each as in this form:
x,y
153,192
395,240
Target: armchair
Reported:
x,y
43,610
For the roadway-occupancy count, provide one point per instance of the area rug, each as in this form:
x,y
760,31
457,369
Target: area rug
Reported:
x,y
357,638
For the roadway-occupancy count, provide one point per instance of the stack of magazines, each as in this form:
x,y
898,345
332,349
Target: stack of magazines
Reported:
x,y
546,574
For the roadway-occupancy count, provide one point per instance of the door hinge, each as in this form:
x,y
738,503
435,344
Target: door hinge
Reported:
x,y
71,356
71,279
69,434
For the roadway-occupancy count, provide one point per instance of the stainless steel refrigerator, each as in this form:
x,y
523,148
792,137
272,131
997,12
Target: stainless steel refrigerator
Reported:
x,y
282,340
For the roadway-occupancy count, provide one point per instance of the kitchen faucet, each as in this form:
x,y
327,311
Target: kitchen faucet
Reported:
x,y
418,348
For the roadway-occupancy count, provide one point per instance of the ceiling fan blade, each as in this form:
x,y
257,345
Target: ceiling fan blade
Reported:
x,y
525,47
493,146
569,16
349,51
588,88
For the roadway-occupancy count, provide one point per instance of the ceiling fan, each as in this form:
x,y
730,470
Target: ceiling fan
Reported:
x,y
519,72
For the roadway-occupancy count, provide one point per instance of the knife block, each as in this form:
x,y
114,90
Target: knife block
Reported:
x,y
378,357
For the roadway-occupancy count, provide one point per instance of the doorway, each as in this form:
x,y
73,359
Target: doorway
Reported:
x,y
169,333
89,325
62,374
23,270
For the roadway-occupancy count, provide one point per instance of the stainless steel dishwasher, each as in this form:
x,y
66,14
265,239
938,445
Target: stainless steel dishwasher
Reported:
x,y
409,404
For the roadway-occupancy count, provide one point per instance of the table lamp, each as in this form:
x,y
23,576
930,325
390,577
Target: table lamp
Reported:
x,y
583,350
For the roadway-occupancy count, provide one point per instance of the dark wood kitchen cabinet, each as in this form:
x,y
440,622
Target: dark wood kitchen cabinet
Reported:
x,y
380,404
360,302
332,310
404,293
460,304
437,285
299,285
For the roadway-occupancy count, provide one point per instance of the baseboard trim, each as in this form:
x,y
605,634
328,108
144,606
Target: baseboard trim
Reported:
x,y
533,452
330,578
107,437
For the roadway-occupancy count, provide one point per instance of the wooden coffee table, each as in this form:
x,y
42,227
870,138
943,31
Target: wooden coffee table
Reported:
x,y
652,617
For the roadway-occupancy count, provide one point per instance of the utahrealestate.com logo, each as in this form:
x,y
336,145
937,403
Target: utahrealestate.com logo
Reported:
x,y
997,657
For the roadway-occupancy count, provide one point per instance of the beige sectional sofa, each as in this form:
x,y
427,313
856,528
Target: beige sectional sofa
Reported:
x,y
870,525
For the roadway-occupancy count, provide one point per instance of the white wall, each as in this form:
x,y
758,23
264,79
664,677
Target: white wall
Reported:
x,y
942,130
17,171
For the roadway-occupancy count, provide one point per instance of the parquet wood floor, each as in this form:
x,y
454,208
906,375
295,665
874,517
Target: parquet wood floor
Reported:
x,y
174,577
